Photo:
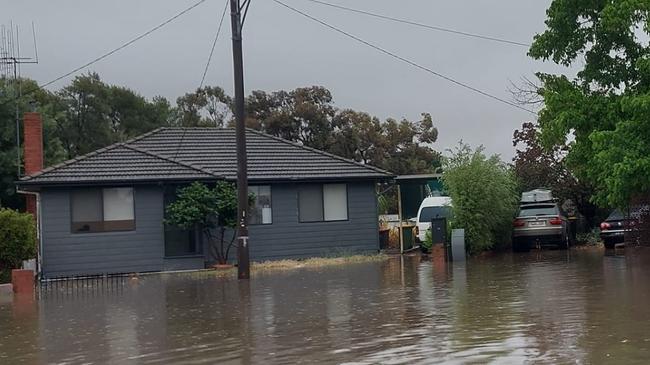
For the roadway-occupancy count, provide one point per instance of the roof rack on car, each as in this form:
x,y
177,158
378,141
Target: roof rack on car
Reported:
x,y
537,196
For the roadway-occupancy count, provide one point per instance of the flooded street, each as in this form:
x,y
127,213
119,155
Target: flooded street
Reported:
x,y
543,307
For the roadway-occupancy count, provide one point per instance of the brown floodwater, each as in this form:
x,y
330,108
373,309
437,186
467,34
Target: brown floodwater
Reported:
x,y
584,307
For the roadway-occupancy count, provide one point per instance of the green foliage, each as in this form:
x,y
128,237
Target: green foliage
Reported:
x,y
17,239
428,240
484,194
198,206
53,150
208,106
606,108
92,114
308,116
536,167
591,238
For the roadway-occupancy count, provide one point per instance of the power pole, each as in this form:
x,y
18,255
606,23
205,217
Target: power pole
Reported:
x,y
237,22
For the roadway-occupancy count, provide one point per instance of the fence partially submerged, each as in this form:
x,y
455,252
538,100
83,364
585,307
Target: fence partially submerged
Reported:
x,y
83,286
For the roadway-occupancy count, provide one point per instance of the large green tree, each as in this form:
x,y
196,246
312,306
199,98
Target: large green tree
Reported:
x,y
10,155
308,116
91,114
604,112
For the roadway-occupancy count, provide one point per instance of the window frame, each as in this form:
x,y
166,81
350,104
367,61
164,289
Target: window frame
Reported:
x,y
322,195
101,199
272,213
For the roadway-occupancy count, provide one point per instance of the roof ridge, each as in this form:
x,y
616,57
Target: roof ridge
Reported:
x,y
370,167
89,154
169,159
71,161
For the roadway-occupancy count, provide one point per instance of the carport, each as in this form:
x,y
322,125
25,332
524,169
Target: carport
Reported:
x,y
411,191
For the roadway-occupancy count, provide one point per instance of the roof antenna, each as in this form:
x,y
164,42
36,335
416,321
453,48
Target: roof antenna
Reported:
x,y
10,64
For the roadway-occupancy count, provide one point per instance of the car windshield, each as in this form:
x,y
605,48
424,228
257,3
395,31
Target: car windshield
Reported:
x,y
538,210
429,213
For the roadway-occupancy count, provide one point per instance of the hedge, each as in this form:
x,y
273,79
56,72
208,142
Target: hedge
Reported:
x,y
17,240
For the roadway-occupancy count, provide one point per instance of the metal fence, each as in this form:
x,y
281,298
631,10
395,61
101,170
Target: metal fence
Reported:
x,y
83,286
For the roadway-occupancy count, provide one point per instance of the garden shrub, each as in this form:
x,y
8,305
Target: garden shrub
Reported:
x,y
17,240
484,194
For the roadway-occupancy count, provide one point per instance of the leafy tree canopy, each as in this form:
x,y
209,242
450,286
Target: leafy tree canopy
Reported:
x,y
605,110
537,167
484,196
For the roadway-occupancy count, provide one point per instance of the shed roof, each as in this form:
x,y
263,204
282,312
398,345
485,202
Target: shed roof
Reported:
x,y
202,153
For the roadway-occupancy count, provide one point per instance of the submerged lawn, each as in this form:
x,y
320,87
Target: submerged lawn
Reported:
x,y
310,263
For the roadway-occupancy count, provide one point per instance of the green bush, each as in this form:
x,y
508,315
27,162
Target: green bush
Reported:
x,y
484,195
591,238
17,240
428,240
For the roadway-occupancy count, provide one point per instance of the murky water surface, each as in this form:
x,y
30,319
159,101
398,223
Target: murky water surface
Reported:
x,y
544,307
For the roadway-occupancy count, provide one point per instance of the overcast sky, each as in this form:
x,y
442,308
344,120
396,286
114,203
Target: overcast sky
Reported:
x,y
283,50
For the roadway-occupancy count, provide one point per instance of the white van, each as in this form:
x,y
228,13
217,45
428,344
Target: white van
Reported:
x,y
432,207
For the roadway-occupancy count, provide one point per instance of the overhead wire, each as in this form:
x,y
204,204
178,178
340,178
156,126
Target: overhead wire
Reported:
x,y
113,51
214,43
421,25
403,59
205,72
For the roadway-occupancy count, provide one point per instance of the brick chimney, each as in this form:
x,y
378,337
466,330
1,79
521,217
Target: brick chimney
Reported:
x,y
33,147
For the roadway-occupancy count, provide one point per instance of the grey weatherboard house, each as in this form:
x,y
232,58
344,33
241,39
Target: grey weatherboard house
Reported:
x,y
104,212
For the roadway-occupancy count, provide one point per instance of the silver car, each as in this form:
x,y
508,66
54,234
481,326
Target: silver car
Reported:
x,y
540,223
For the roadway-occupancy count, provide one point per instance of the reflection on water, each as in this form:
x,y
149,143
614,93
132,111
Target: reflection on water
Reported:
x,y
543,307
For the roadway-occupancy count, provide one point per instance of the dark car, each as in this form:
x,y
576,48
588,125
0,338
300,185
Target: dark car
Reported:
x,y
539,224
614,228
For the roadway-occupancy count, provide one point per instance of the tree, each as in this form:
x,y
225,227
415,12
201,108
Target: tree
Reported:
x,y
536,166
199,207
9,153
90,114
484,196
308,116
302,115
605,109
208,106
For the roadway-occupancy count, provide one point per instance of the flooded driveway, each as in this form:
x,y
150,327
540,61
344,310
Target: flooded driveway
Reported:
x,y
543,307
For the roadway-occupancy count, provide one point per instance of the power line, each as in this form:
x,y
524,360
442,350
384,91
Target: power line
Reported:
x,y
405,60
214,43
422,25
113,51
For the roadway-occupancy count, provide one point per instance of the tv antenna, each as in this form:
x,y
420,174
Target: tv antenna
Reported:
x,y
10,63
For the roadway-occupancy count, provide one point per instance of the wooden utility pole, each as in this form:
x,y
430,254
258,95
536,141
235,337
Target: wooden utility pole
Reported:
x,y
237,22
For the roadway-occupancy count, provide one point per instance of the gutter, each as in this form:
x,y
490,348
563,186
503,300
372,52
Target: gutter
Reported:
x,y
39,235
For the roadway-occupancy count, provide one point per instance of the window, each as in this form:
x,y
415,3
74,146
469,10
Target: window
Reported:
x,y
180,242
428,213
538,210
328,202
102,210
261,211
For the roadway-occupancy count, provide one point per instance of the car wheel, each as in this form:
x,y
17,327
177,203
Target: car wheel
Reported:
x,y
609,244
